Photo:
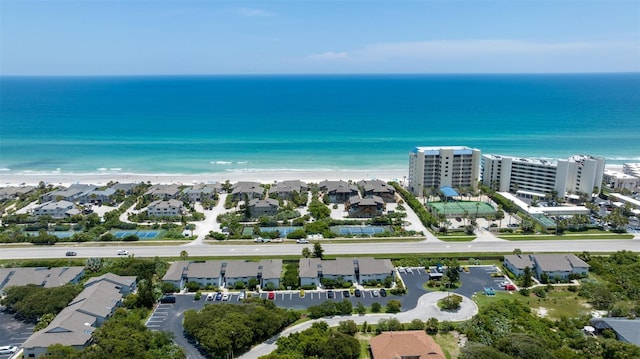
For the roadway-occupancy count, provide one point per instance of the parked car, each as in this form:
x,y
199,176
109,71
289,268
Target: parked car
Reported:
x,y
375,293
358,293
123,252
218,296
509,287
330,294
210,297
301,293
225,297
9,349
302,240
242,295
383,292
71,254
168,299
346,294
271,295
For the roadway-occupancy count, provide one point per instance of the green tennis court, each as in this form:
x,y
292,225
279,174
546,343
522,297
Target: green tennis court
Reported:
x,y
459,208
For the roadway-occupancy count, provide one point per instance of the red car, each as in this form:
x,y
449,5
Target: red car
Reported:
x,y
271,295
509,287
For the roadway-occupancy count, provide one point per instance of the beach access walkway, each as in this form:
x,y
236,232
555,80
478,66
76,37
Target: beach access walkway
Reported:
x,y
426,308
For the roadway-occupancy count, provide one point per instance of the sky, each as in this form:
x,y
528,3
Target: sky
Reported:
x,y
165,37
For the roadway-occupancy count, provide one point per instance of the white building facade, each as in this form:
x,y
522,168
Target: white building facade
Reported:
x,y
434,167
533,177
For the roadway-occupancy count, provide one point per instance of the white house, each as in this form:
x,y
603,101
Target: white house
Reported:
x,y
161,208
60,209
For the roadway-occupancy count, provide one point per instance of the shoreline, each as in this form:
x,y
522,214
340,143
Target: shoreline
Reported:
x,y
268,176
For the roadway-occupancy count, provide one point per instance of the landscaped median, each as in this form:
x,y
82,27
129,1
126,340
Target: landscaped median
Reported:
x,y
549,237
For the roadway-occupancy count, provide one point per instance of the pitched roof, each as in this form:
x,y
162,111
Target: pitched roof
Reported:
x,y
176,270
369,201
369,265
267,203
128,281
208,269
627,330
519,261
413,343
558,262
44,277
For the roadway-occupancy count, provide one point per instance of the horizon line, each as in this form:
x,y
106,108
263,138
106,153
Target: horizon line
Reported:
x,y
326,74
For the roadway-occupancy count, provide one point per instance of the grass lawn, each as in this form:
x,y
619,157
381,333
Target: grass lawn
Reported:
x,y
558,303
364,338
456,238
449,345
537,237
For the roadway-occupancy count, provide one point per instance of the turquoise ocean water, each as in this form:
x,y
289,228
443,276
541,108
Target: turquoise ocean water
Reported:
x,y
212,124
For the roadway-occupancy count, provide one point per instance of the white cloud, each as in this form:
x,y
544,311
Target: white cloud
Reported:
x,y
458,49
246,11
330,56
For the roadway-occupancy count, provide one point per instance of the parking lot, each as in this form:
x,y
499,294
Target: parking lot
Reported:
x,y
13,332
168,317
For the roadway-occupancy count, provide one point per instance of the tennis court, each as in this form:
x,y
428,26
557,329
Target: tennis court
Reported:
x,y
283,230
144,234
359,230
59,234
459,208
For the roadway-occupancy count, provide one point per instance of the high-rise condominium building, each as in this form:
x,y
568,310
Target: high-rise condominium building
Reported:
x,y
577,174
434,167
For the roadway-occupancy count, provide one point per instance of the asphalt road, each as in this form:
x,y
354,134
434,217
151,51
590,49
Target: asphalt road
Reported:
x,y
275,249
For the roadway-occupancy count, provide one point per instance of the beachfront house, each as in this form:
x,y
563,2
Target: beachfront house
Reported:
x,y
70,194
161,208
60,209
559,266
378,188
365,207
285,189
98,196
263,207
126,188
338,191
163,192
200,192
75,324
250,190
15,192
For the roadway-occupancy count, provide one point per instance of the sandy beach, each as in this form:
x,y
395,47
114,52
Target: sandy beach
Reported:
x,y
66,179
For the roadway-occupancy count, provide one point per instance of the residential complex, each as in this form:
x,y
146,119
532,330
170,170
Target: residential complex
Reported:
x,y
434,167
89,310
224,273
536,178
560,266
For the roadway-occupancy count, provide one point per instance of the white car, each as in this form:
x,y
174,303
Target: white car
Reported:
x,y
375,293
123,252
302,240
225,297
9,349
242,295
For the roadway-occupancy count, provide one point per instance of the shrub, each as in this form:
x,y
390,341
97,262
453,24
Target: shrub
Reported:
x,y
450,302
376,307
540,292
192,286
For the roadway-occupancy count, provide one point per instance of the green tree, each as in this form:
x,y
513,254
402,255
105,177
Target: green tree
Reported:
x,y
527,281
360,308
306,252
318,252
348,327
393,306
432,326
376,307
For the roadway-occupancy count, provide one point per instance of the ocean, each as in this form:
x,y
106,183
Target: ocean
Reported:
x,y
213,124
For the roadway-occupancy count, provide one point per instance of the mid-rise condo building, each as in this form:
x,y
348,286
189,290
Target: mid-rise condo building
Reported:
x,y
434,167
532,177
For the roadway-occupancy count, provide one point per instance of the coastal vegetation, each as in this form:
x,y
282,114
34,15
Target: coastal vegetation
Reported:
x,y
224,329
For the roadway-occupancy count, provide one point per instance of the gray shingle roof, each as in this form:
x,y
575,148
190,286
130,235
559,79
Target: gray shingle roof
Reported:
x,y
558,262
519,261
628,330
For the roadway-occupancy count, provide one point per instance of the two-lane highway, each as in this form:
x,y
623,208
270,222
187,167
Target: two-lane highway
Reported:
x,y
365,248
